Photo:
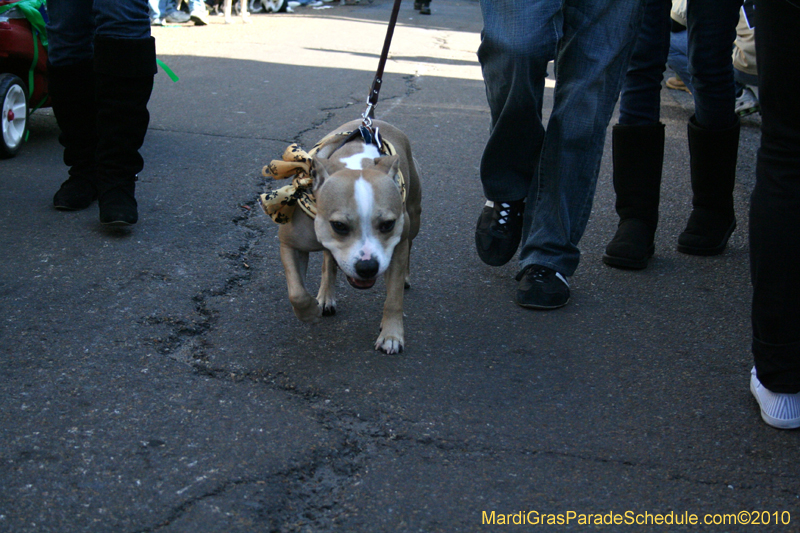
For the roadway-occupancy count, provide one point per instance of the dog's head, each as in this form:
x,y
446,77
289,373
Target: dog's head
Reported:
x,y
360,214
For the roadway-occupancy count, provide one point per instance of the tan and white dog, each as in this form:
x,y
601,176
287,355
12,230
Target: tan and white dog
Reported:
x,y
368,208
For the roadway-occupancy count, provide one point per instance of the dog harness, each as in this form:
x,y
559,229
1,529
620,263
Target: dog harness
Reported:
x,y
296,164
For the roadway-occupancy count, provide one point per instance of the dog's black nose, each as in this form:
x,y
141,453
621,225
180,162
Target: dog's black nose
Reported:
x,y
367,269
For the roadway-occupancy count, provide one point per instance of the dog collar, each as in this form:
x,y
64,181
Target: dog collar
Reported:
x,y
296,164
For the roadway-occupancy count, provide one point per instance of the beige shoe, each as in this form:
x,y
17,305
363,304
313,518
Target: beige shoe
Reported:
x,y
676,83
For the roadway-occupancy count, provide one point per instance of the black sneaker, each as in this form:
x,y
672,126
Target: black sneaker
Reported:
x,y
541,288
499,231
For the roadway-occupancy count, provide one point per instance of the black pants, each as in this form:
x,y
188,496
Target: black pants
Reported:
x,y
775,204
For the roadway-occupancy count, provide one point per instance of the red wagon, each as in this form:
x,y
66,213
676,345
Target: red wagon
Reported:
x,y
23,68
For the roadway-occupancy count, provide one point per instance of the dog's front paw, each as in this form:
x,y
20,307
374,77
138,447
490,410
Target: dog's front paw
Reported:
x,y
389,344
326,301
328,307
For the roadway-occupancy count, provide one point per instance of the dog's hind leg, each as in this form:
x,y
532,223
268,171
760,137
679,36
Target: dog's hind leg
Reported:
x,y
226,9
295,265
327,287
407,279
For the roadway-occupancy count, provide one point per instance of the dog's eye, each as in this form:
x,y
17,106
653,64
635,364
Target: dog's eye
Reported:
x,y
340,227
386,226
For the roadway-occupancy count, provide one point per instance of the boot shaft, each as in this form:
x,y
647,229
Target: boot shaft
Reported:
x,y
124,70
76,115
638,157
712,162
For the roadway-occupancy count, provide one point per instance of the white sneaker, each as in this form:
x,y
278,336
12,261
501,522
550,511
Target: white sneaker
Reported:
x,y
747,103
779,410
199,17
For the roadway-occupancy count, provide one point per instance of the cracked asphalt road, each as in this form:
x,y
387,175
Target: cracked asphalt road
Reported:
x,y
156,380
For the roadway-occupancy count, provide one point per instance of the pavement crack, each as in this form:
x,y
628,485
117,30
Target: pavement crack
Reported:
x,y
217,135
186,506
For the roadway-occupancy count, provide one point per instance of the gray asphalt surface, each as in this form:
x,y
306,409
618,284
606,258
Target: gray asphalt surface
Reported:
x,y
156,380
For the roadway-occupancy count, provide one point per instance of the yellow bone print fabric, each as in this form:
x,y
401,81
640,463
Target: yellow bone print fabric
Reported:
x,y
296,164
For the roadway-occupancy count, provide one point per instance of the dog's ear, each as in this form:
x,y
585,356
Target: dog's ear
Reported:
x,y
321,169
389,164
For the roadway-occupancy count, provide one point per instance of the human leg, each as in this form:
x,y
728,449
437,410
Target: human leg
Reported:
x,y
76,115
640,100
775,203
711,32
125,64
199,14
70,30
638,143
170,12
518,40
713,131
712,165
70,55
638,157
590,68
678,58
155,12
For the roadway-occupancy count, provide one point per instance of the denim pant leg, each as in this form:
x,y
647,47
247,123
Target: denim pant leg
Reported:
x,y
519,38
73,24
155,9
775,203
598,38
678,58
123,20
199,5
70,31
640,99
712,30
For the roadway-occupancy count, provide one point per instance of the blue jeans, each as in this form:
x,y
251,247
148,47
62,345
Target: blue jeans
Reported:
x,y
711,32
678,59
712,29
554,167
161,8
74,23
640,102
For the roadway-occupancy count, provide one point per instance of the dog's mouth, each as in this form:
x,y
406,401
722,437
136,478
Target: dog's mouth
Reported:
x,y
361,283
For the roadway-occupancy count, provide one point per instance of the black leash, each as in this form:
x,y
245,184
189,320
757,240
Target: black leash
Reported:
x,y
372,99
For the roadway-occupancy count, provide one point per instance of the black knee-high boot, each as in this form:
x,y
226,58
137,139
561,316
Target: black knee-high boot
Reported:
x,y
124,70
713,167
76,115
638,156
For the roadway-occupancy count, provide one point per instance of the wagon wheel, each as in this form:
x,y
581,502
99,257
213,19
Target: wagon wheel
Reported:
x,y
14,96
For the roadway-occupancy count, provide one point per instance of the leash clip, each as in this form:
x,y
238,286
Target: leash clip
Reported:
x,y
367,115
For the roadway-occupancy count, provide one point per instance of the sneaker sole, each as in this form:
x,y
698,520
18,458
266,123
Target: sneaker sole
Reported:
x,y
118,224
748,112
678,87
540,307
70,208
